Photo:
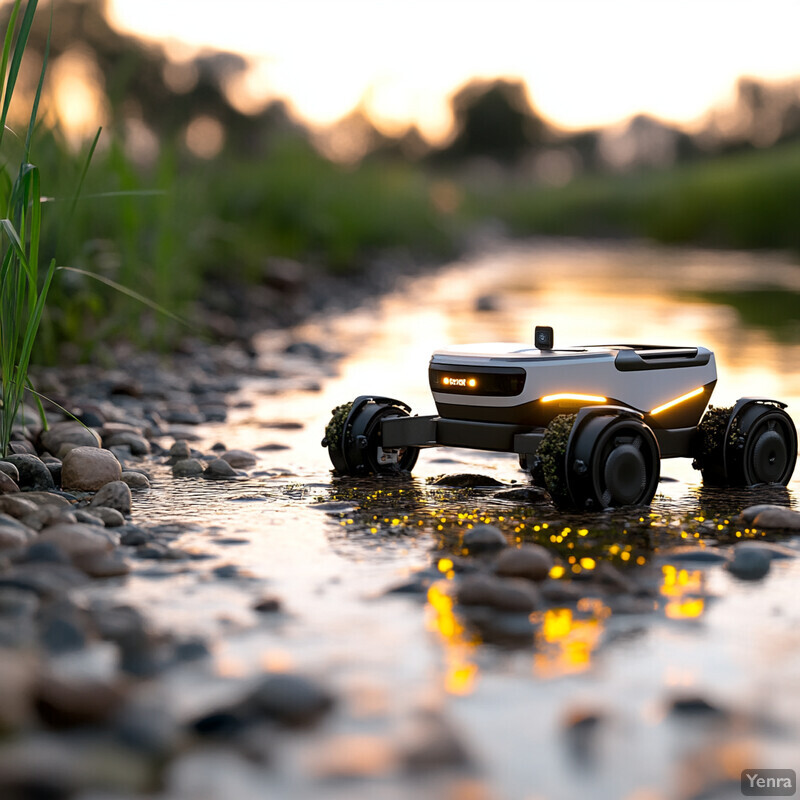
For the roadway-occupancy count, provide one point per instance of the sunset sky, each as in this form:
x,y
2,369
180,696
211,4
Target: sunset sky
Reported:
x,y
586,62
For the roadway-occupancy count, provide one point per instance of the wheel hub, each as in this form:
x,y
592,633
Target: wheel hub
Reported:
x,y
769,457
625,474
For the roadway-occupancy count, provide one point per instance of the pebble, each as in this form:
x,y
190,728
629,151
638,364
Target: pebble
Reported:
x,y
135,480
430,742
771,549
11,538
239,458
49,499
219,470
749,564
749,514
67,703
484,538
17,506
505,594
269,604
293,700
529,495
7,468
138,445
187,468
116,494
133,536
48,515
466,480
33,474
110,517
180,450
69,432
78,539
45,579
103,565
86,518
777,518
530,561
48,552
7,484
696,554
87,469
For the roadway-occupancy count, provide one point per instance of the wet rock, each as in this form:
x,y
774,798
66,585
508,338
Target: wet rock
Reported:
x,y
87,518
179,451
45,516
508,594
219,470
115,495
528,495
54,465
21,447
293,700
610,577
269,604
272,447
133,536
430,742
694,554
78,539
47,552
777,518
63,703
771,549
62,627
239,459
483,539
7,484
148,728
17,506
51,498
137,444
17,671
695,705
103,565
560,591
135,480
7,468
33,474
192,649
12,538
16,603
581,729
87,469
530,561
749,564
187,468
466,481
748,515
69,432
110,517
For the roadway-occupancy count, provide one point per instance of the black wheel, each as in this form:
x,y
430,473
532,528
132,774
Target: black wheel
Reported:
x,y
533,466
765,450
755,442
353,438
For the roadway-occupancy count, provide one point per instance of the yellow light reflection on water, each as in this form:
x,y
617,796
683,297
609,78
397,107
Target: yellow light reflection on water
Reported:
x,y
567,639
681,587
461,672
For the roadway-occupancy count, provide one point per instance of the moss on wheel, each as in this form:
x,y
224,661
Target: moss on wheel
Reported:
x,y
710,447
335,427
552,454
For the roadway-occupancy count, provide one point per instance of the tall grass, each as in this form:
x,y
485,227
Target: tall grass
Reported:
x,y
23,291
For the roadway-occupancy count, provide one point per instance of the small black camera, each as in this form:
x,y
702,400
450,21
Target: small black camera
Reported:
x,y
543,337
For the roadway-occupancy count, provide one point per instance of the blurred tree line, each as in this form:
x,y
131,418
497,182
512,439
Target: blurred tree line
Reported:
x,y
190,195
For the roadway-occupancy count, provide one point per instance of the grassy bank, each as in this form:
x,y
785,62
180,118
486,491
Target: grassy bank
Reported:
x,y
747,200
182,228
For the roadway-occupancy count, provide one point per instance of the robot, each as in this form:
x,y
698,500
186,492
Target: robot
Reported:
x,y
590,423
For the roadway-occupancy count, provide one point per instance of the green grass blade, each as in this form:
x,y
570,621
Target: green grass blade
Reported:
x,y
33,327
16,59
39,407
84,170
38,97
12,24
130,293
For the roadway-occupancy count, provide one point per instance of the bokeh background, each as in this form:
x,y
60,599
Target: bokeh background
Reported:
x,y
242,140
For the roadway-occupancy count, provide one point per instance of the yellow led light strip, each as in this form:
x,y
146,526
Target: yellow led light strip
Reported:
x,y
470,382
677,400
584,398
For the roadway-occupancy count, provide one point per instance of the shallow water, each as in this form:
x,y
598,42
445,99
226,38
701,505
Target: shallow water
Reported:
x,y
580,710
